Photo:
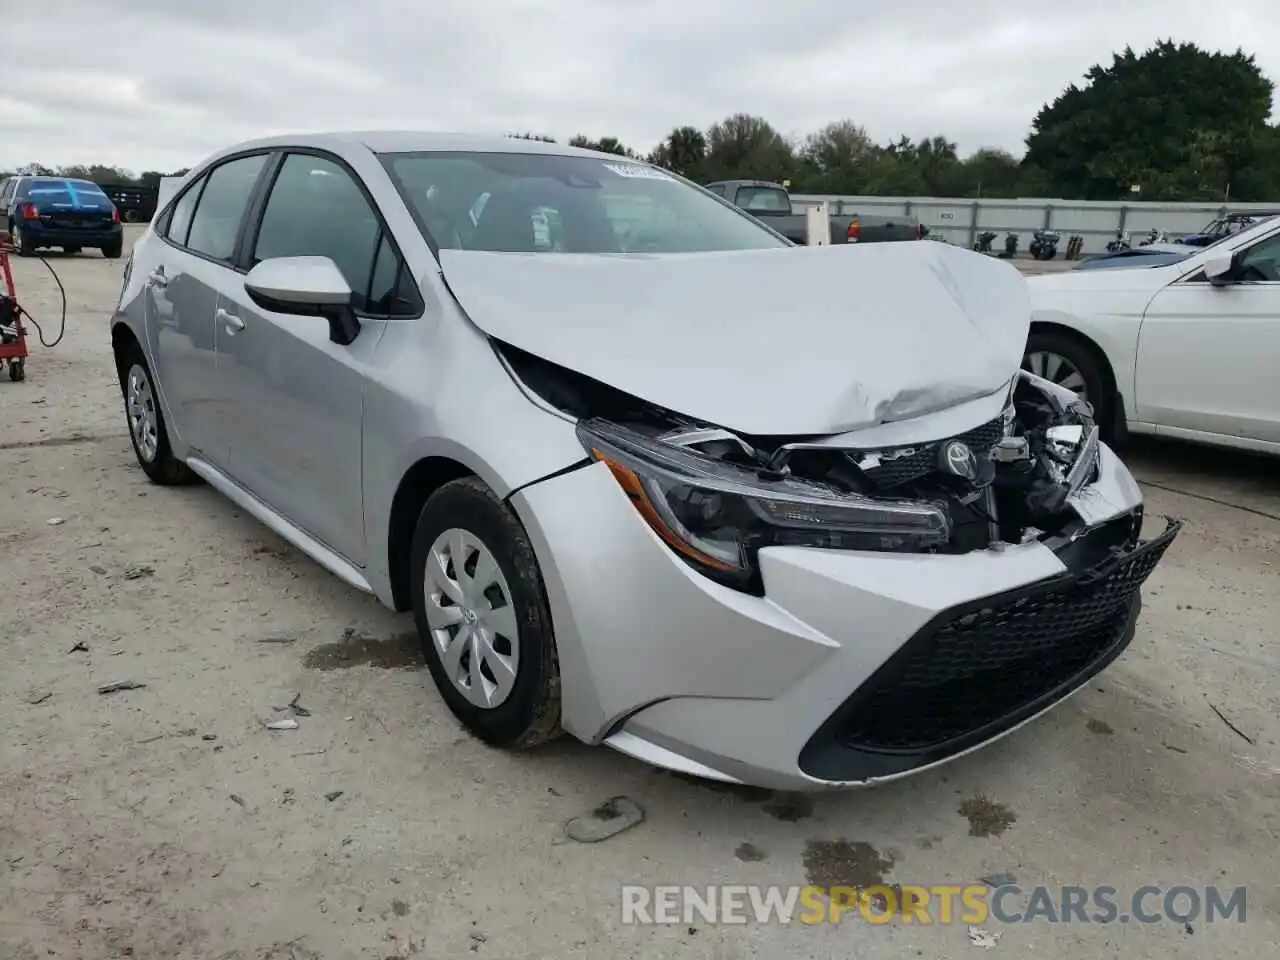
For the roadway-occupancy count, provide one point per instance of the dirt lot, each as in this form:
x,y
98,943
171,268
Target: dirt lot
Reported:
x,y
165,821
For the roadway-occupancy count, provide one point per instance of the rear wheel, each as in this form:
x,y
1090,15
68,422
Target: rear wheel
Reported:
x,y
147,429
18,369
113,251
21,240
481,610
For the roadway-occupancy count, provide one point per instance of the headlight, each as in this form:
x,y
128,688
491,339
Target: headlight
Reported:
x,y
716,516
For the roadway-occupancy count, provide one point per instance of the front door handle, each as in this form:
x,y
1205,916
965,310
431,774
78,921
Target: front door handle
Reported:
x,y
233,323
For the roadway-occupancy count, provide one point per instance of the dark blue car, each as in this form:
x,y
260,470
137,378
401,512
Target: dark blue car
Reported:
x,y
42,212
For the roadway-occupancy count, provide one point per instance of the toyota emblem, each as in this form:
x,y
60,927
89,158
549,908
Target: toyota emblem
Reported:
x,y
958,459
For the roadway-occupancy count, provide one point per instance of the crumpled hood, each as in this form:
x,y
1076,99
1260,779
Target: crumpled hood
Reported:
x,y
788,341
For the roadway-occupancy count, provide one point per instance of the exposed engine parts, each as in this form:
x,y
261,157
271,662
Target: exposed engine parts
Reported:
x,y
1003,482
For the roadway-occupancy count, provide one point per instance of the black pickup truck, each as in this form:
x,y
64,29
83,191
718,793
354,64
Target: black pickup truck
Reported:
x,y
771,204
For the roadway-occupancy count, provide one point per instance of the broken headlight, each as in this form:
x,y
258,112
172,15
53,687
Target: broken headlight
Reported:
x,y
716,515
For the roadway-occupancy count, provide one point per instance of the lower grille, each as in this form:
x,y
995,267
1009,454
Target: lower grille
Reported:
x,y
979,669
918,460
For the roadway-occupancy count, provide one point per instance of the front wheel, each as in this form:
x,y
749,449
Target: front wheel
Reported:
x,y
18,370
481,610
1070,363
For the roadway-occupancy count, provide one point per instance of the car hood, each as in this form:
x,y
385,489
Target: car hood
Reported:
x,y
788,341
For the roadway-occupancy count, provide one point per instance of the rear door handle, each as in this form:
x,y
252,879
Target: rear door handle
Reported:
x,y
233,323
157,279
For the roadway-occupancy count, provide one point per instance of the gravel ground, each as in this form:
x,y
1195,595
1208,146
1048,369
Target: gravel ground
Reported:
x,y
165,821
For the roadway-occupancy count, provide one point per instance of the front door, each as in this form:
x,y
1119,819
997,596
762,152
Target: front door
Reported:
x,y
1208,355
298,397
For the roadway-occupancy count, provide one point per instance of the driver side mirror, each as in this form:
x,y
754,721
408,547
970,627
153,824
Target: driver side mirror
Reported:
x,y
305,286
1220,270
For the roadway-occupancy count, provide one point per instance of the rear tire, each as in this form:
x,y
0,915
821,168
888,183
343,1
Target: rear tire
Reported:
x,y
147,430
18,369
465,518
21,241
113,251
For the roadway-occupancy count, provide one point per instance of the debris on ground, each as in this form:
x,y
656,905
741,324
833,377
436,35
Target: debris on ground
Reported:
x,y
277,640
607,820
996,880
297,710
288,723
333,795
120,685
138,571
983,938
1234,729
54,521
79,647
209,737
100,571
36,699
238,800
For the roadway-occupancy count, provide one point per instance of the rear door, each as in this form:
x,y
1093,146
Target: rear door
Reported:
x,y
295,399
1208,355
188,270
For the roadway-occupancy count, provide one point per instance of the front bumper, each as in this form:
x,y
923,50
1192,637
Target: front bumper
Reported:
x,y
855,667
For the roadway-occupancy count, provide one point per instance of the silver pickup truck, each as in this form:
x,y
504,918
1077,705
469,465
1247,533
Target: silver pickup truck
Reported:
x,y
771,204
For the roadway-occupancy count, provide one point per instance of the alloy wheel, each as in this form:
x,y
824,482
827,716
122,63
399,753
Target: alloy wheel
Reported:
x,y
473,622
1056,369
140,405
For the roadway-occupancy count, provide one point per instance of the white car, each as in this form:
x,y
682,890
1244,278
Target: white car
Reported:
x,y
1189,349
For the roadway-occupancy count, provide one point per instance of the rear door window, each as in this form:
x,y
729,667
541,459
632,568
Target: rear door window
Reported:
x,y
221,207
180,218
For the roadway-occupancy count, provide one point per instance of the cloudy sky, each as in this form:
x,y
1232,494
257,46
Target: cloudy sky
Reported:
x,y
157,84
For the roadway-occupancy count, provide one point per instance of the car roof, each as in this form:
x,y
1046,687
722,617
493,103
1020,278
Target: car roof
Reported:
x,y
413,141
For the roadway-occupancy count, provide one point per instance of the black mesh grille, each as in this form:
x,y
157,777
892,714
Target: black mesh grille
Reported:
x,y
923,459
983,664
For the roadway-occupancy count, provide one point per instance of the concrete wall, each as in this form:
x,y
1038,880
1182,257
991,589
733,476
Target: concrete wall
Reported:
x,y
959,221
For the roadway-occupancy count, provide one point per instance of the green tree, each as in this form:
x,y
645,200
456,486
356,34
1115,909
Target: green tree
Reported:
x,y
839,158
1180,121
604,145
684,151
747,147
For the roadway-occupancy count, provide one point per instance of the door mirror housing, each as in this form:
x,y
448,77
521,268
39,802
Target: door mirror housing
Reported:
x,y
305,286
1220,270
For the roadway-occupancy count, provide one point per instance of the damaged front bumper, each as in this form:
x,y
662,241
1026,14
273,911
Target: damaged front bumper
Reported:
x,y
824,614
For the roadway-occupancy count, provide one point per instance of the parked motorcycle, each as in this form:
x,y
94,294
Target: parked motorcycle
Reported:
x,y
1121,242
1155,236
1044,244
1010,246
984,241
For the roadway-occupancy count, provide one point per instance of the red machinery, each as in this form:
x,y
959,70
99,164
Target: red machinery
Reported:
x,y
13,335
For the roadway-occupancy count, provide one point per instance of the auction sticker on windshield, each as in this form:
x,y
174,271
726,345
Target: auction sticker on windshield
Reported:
x,y
637,171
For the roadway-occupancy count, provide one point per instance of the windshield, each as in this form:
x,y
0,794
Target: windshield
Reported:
x,y
543,203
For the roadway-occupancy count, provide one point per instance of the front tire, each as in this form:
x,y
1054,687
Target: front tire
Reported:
x,y
147,429
1070,363
481,611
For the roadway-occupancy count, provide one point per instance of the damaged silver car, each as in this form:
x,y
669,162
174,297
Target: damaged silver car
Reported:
x,y
643,470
